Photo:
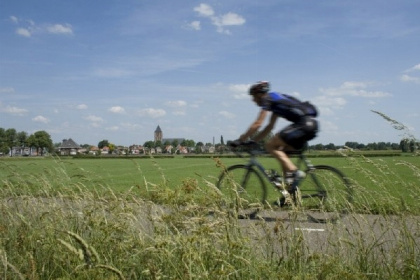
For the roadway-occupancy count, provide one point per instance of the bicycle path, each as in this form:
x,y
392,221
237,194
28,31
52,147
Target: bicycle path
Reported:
x,y
351,233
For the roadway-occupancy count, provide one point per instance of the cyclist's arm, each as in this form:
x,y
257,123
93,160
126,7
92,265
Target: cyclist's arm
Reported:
x,y
266,129
254,126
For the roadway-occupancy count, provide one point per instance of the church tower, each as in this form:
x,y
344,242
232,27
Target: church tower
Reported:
x,y
158,134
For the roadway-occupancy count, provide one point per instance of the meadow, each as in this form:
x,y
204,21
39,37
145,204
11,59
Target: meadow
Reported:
x,y
148,218
395,178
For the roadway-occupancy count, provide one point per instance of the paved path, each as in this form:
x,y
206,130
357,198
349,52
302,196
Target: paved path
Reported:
x,y
363,233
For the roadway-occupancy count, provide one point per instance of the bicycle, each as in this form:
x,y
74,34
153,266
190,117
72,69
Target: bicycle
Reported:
x,y
324,188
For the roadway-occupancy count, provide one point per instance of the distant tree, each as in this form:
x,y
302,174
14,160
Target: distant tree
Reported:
x,y
404,145
4,149
21,139
158,144
111,147
149,144
10,138
103,143
41,140
188,143
175,143
330,146
413,146
318,147
221,140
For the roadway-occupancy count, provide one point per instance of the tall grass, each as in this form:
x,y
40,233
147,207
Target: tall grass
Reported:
x,y
53,228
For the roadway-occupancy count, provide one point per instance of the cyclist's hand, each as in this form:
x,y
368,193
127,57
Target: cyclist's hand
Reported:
x,y
235,143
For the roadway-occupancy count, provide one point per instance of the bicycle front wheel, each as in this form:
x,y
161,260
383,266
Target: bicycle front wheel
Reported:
x,y
243,185
326,189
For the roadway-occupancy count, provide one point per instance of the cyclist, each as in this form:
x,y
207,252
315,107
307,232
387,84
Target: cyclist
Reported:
x,y
304,127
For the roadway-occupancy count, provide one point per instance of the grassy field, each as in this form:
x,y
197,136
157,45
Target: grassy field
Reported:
x,y
64,218
392,178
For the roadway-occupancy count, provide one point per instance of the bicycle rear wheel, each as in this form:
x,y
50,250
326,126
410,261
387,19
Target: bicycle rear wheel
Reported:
x,y
242,185
325,189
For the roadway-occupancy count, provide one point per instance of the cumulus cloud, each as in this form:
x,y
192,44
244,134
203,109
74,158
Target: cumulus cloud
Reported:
x,y
112,128
93,118
23,32
408,78
354,89
27,28
176,103
40,119
227,114
81,107
117,110
204,10
414,68
412,77
60,29
13,110
14,19
220,21
196,25
240,91
7,90
152,113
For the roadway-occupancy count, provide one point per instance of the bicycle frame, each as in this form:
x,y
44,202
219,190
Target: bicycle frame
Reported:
x,y
253,162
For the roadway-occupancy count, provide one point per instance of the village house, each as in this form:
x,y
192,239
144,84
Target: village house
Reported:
x,y
68,147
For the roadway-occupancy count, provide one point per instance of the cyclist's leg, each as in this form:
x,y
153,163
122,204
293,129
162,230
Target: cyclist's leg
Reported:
x,y
276,147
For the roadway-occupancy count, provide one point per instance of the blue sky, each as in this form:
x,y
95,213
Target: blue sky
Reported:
x,y
115,70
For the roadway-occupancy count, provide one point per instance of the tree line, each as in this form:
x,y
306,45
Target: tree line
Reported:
x,y
41,142
10,138
405,145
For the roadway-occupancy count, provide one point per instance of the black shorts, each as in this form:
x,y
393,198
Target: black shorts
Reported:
x,y
297,134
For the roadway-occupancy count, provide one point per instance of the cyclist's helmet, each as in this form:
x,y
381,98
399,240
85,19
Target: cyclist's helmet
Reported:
x,y
259,87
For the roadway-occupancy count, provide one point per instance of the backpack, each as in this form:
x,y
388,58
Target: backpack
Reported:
x,y
308,108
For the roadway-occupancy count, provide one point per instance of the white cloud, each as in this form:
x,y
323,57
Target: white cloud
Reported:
x,y
179,113
117,110
14,19
27,28
93,118
81,107
152,113
60,29
13,110
204,10
414,68
408,78
354,89
220,21
176,104
41,119
240,91
227,114
23,32
196,25
112,128
7,90
329,101
229,19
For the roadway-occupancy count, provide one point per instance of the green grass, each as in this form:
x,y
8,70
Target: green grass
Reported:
x,y
395,179
149,219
